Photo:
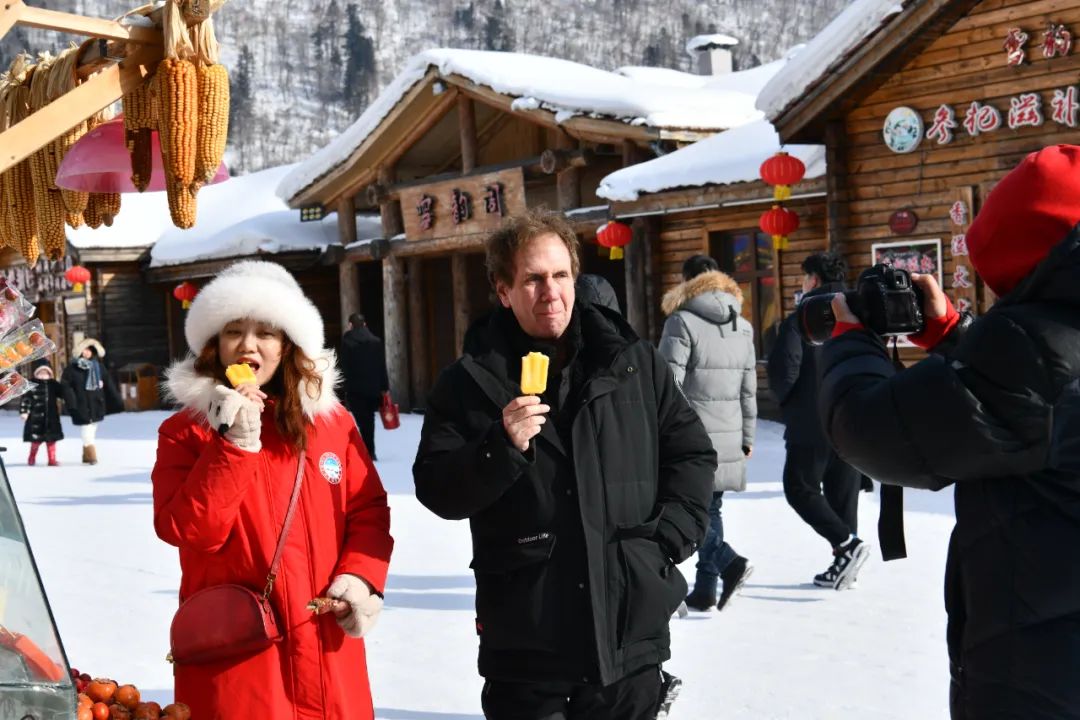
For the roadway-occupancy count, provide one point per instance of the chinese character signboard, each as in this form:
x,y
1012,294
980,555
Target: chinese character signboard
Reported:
x,y
465,206
917,256
960,285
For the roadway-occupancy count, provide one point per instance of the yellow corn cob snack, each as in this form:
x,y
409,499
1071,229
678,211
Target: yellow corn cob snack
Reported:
x,y
178,125
213,123
534,372
239,374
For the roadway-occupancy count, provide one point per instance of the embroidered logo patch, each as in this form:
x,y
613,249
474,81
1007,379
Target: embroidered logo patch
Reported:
x,y
330,467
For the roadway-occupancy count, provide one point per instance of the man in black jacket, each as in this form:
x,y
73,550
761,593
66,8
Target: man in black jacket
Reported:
x,y
581,498
995,410
363,363
819,486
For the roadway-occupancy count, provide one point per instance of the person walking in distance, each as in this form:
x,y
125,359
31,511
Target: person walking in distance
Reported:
x,y
818,484
363,362
710,348
584,488
39,409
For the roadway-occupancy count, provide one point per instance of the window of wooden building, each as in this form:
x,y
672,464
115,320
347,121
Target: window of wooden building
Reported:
x,y
748,257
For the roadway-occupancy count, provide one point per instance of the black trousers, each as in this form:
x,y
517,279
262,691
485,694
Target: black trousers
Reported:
x,y
363,411
823,490
635,697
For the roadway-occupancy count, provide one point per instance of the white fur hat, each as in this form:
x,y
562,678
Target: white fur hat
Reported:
x,y
261,291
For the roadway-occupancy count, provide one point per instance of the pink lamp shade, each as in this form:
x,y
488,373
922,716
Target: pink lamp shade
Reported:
x,y
99,163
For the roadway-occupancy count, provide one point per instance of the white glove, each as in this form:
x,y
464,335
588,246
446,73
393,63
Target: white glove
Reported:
x,y
364,605
240,417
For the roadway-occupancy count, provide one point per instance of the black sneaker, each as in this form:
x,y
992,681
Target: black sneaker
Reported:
x,y
849,558
827,579
734,575
699,599
669,691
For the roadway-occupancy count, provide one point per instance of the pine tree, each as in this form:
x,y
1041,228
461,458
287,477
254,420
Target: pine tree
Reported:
x,y
498,35
360,72
241,103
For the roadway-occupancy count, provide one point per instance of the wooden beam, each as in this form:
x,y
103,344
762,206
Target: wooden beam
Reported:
x,y
461,300
634,266
9,15
467,126
43,19
836,184
396,329
568,181
708,196
390,207
23,139
418,347
438,246
348,278
651,234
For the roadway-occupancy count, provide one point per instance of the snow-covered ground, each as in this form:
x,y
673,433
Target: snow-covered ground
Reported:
x,y
785,649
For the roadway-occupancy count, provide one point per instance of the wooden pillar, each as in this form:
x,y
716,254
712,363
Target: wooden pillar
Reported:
x,y
395,329
390,210
461,300
348,279
835,184
467,124
653,318
568,180
418,347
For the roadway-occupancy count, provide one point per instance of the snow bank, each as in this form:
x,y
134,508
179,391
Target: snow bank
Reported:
x,y
730,157
566,88
844,34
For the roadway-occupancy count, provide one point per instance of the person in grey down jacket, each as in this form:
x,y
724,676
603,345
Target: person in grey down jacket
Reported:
x,y
710,348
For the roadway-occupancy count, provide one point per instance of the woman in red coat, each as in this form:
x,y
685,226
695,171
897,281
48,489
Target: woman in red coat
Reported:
x,y
225,470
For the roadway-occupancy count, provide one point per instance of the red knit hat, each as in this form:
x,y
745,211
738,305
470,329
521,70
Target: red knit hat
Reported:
x,y
1027,214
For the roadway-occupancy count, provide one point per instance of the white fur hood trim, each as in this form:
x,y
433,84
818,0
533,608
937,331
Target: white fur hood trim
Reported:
x,y
194,392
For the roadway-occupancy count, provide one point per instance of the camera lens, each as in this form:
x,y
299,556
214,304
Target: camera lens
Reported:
x,y
816,319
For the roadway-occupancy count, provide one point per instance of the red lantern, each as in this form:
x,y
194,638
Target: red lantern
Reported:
x,y
779,222
77,275
783,171
185,292
614,235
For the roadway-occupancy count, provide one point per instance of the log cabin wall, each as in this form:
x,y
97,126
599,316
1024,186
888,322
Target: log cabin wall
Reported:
x,y
966,64
129,316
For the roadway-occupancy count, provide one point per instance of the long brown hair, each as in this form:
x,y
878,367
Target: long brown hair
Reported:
x,y
295,369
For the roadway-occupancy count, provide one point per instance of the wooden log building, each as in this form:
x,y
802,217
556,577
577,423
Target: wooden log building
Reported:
x,y
444,155
923,115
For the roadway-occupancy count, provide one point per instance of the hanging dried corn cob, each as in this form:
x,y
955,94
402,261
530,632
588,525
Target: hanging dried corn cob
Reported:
x,y
19,190
92,214
48,203
182,206
140,119
62,80
108,206
213,109
177,130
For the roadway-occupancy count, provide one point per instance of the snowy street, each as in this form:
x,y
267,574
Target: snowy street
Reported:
x,y
784,649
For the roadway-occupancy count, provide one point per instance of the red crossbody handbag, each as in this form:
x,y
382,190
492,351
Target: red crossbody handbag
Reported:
x,y
223,622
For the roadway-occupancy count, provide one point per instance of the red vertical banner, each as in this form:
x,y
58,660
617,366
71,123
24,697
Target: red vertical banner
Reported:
x,y
961,281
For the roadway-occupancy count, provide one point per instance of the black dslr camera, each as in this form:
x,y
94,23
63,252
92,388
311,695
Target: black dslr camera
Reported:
x,y
884,300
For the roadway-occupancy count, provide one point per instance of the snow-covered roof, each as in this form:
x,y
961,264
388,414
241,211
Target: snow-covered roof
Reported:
x,y
844,34
701,41
730,157
566,88
271,232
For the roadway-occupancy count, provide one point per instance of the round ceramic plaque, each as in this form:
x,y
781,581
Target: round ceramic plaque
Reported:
x,y
903,130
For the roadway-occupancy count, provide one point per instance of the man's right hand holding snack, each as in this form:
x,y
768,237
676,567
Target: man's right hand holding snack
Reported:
x,y
522,420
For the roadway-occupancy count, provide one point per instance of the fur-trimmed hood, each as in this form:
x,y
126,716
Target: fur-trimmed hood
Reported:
x,y
192,391
714,294
89,342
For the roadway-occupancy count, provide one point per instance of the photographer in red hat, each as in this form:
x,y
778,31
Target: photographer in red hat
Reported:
x,y
995,411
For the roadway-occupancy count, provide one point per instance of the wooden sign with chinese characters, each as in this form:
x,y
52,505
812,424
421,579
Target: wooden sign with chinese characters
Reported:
x,y
463,206
960,283
42,281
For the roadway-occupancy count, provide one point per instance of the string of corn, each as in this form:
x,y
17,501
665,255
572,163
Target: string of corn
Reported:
x,y
213,121
19,188
182,206
62,80
178,132
48,203
140,118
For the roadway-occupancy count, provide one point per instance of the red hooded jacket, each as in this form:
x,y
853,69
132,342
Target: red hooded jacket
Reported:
x,y
223,507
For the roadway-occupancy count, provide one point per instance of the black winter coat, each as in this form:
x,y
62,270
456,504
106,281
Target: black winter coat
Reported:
x,y
793,379
1000,418
43,421
363,362
89,406
619,485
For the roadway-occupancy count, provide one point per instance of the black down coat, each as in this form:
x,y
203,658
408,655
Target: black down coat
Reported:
x,y
793,378
89,406
363,362
999,416
43,421
621,491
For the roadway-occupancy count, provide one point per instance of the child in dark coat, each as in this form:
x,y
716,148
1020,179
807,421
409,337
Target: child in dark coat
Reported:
x,y
39,409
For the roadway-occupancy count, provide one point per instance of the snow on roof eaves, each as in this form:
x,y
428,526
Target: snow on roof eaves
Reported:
x,y
845,34
566,88
729,157
704,41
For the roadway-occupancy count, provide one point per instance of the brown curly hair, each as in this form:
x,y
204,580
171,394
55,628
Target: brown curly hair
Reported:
x,y
518,231
295,369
